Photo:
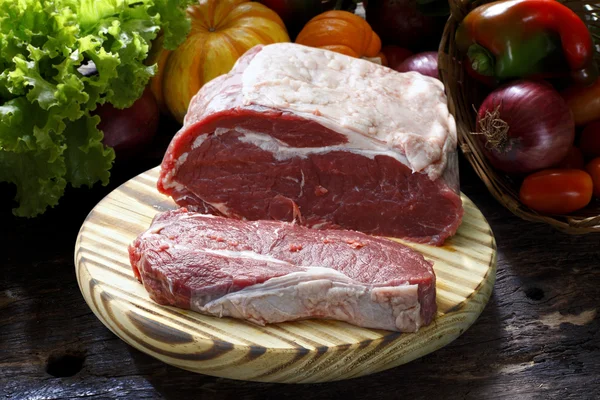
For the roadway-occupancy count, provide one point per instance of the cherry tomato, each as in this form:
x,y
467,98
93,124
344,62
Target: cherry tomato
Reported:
x,y
589,142
593,168
573,160
557,191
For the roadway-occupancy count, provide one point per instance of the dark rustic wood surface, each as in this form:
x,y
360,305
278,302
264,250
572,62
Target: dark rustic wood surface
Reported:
x,y
538,337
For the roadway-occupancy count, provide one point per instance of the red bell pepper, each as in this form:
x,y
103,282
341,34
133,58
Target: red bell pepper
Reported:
x,y
525,39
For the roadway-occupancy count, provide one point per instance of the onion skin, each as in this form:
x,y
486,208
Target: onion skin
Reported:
x,y
425,63
540,127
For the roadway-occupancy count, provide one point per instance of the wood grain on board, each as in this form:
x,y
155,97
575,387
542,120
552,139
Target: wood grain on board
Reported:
x,y
301,351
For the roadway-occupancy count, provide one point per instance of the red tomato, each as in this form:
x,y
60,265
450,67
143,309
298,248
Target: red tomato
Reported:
x,y
573,160
593,168
395,55
590,139
557,191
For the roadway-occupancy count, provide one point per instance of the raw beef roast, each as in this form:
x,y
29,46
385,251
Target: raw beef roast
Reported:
x,y
271,271
330,141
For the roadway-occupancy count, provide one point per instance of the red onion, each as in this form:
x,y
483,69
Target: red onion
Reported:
x,y
425,63
395,55
401,22
525,126
128,131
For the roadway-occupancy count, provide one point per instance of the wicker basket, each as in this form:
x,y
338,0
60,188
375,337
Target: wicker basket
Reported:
x,y
465,93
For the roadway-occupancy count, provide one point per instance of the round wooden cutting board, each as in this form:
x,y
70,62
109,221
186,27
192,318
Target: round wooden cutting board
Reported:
x,y
293,352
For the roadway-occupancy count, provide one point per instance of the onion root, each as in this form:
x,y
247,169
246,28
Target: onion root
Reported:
x,y
495,130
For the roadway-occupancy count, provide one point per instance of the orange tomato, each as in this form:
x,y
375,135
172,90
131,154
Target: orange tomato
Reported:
x,y
557,191
584,102
589,142
222,31
573,160
593,168
342,32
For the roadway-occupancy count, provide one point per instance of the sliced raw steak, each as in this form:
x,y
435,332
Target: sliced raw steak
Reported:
x,y
271,271
327,140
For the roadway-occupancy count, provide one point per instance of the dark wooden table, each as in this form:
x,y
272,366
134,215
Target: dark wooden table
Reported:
x,y
538,337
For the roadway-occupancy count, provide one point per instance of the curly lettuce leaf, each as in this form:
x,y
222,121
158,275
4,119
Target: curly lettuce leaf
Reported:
x,y
40,182
48,134
87,159
30,158
174,21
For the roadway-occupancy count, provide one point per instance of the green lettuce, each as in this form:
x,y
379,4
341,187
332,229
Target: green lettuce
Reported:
x,y
48,134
